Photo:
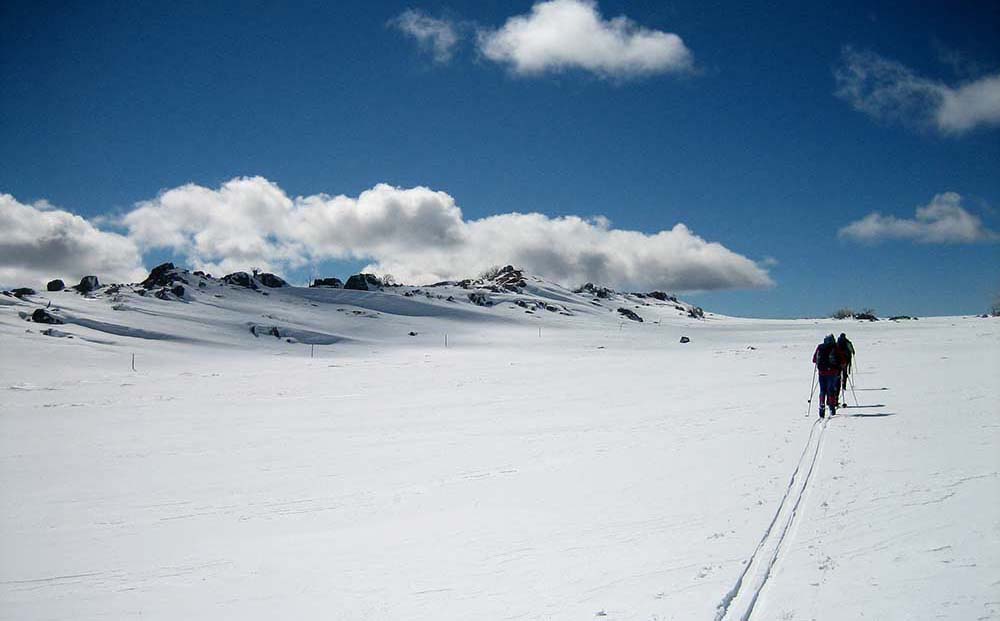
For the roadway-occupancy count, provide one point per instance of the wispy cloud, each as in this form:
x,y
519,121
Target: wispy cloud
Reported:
x,y
437,36
889,91
571,34
942,221
420,235
40,242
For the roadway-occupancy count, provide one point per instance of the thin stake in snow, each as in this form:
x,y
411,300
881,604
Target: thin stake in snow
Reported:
x,y
133,362
312,350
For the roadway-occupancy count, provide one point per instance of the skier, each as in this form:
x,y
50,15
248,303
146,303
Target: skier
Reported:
x,y
846,348
829,362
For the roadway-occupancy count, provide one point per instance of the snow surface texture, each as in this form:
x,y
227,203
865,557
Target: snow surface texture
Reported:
x,y
553,464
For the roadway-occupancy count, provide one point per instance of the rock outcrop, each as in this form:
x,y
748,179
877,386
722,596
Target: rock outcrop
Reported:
x,y
480,299
43,316
661,296
240,279
629,314
363,282
88,284
510,278
600,292
270,280
162,275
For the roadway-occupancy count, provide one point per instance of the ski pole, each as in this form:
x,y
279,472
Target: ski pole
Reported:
x,y
812,389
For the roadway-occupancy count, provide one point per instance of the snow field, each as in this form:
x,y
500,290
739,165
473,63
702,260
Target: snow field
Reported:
x,y
601,470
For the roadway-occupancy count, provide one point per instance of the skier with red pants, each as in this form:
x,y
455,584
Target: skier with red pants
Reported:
x,y
829,361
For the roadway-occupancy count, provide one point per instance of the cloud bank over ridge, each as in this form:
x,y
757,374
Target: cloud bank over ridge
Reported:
x,y
40,242
416,234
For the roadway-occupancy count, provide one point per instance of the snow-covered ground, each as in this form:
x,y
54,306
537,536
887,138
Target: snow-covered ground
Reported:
x,y
559,464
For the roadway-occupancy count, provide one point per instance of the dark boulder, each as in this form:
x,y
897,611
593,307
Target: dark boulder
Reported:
x,y
661,296
480,299
601,292
55,285
270,280
162,275
363,282
265,330
696,313
20,292
87,284
866,316
43,316
240,279
335,283
178,290
685,339
629,314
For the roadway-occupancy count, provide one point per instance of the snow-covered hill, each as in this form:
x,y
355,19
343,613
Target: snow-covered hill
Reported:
x,y
240,310
286,452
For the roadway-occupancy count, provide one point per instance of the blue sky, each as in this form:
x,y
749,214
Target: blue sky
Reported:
x,y
109,104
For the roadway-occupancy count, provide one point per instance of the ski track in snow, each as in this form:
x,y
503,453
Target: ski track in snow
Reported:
x,y
739,602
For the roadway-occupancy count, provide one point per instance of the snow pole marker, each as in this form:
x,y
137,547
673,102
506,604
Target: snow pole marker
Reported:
x,y
312,350
133,362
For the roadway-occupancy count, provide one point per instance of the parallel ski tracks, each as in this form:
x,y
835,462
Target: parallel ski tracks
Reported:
x,y
738,604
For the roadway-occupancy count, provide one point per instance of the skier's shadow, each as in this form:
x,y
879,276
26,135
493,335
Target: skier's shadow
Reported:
x,y
871,415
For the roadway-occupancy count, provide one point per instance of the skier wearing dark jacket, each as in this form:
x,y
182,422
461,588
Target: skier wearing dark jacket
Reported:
x,y
829,363
846,348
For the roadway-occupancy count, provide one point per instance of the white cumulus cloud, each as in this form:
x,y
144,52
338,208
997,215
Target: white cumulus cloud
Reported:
x,y
420,235
39,243
438,36
887,90
571,34
942,221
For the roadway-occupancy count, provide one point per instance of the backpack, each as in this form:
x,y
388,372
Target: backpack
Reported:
x,y
826,357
